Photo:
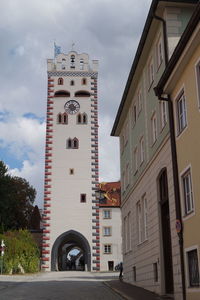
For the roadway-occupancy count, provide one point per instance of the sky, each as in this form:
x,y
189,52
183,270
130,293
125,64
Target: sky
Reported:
x,y
108,30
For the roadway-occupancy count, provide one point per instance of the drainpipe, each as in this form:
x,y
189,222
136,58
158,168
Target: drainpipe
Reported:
x,y
179,222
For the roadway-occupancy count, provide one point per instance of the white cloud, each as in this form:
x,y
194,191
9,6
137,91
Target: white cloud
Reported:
x,y
23,137
106,29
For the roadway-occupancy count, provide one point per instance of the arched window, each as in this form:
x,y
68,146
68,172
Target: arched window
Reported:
x,y
81,64
59,118
72,61
79,118
62,94
75,143
72,82
69,143
60,81
84,118
82,94
84,81
65,118
72,143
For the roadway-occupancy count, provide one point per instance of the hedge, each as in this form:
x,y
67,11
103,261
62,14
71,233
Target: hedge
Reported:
x,y
21,252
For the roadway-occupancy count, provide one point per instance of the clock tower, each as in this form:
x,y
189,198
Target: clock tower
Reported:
x,y
71,211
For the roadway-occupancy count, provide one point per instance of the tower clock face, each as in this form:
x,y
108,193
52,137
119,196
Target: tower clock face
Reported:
x,y
72,107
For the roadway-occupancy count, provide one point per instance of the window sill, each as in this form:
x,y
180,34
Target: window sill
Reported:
x,y
150,85
133,125
139,112
162,128
152,145
188,215
158,67
127,252
142,243
180,132
193,288
141,163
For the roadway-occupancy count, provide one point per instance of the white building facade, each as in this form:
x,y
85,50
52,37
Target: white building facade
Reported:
x,y
151,245
71,211
110,226
110,237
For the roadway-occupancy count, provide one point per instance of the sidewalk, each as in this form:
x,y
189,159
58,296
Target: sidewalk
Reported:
x,y
131,292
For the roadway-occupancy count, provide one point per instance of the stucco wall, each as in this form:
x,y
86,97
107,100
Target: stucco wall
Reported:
x,y
188,149
150,251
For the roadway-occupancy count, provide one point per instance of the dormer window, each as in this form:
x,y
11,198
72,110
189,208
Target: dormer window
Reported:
x,y
72,59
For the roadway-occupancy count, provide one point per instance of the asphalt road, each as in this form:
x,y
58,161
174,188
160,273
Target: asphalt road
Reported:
x,y
57,286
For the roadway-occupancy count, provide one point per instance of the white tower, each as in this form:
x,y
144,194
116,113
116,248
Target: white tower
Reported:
x,y
71,211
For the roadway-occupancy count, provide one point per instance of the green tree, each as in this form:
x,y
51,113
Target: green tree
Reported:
x,y
16,200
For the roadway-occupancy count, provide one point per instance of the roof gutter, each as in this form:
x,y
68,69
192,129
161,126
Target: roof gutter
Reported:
x,y
174,163
176,189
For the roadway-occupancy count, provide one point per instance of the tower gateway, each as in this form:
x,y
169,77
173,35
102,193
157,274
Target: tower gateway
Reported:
x,y
71,211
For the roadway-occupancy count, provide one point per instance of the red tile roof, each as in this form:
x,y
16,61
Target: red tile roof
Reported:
x,y
112,193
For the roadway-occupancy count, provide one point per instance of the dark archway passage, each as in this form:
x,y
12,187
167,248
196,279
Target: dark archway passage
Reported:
x,y
64,244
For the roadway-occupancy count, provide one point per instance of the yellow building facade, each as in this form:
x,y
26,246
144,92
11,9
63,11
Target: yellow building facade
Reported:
x,y
180,84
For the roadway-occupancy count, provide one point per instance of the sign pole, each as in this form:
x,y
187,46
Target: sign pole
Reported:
x,y
2,254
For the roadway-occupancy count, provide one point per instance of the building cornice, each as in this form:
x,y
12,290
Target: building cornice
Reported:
x,y
181,46
74,73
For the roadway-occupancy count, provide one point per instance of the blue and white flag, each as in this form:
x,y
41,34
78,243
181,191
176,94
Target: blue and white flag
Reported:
x,y
57,50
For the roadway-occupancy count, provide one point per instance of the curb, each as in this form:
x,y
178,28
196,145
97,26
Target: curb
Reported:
x,y
118,291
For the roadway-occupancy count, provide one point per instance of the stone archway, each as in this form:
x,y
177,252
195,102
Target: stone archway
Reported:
x,y
73,238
